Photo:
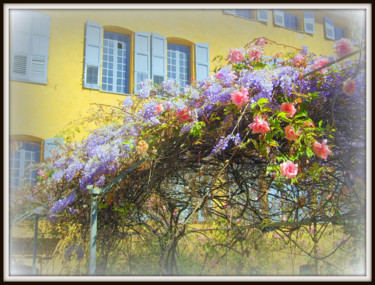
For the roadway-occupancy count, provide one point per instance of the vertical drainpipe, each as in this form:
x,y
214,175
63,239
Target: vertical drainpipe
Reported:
x,y
93,227
35,243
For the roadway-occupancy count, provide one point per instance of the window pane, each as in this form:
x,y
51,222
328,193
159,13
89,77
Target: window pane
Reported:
x,y
117,66
22,170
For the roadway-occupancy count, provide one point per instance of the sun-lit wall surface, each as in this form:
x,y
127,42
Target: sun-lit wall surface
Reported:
x,y
42,110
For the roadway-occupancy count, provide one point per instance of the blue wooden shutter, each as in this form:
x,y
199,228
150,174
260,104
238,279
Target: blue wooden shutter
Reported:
x,y
202,61
30,44
263,15
329,28
278,16
142,59
93,55
309,22
158,58
21,23
51,145
39,47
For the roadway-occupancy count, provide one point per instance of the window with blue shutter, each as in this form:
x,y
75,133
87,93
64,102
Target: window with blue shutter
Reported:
x,y
30,33
179,63
329,28
278,16
93,55
202,61
142,61
309,22
116,55
263,15
21,163
158,58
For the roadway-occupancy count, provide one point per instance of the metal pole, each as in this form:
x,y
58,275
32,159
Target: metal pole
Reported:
x,y
10,248
93,228
35,243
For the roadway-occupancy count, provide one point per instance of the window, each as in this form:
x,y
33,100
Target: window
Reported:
x,y
286,20
21,159
116,54
245,13
108,57
29,46
333,32
291,21
179,63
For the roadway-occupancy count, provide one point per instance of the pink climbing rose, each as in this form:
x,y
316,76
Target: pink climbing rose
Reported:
x,y
259,126
321,149
289,169
240,97
261,42
321,61
290,134
255,53
349,87
343,47
289,108
183,115
159,109
298,59
236,55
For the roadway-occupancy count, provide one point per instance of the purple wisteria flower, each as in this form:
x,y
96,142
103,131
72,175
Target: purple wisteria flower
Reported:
x,y
224,143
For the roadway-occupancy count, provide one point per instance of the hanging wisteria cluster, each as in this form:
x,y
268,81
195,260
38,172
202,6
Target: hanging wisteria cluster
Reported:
x,y
269,106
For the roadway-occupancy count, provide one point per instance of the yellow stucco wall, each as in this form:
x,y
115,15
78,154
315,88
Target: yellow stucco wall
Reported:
x,y
43,110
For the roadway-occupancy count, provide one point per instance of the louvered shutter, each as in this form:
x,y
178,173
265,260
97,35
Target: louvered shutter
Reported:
x,y
21,23
202,61
278,16
93,55
142,60
230,11
329,28
30,44
158,58
309,22
263,15
39,47
52,145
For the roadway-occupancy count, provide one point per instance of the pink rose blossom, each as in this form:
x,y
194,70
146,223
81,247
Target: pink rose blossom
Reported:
x,y
289,169
41,172
183,115
349,87
289,108
255,53
343,47
290,134
159,109
261,42
283,219
321,149
298,59
259,126
319,63
236,55
240,97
